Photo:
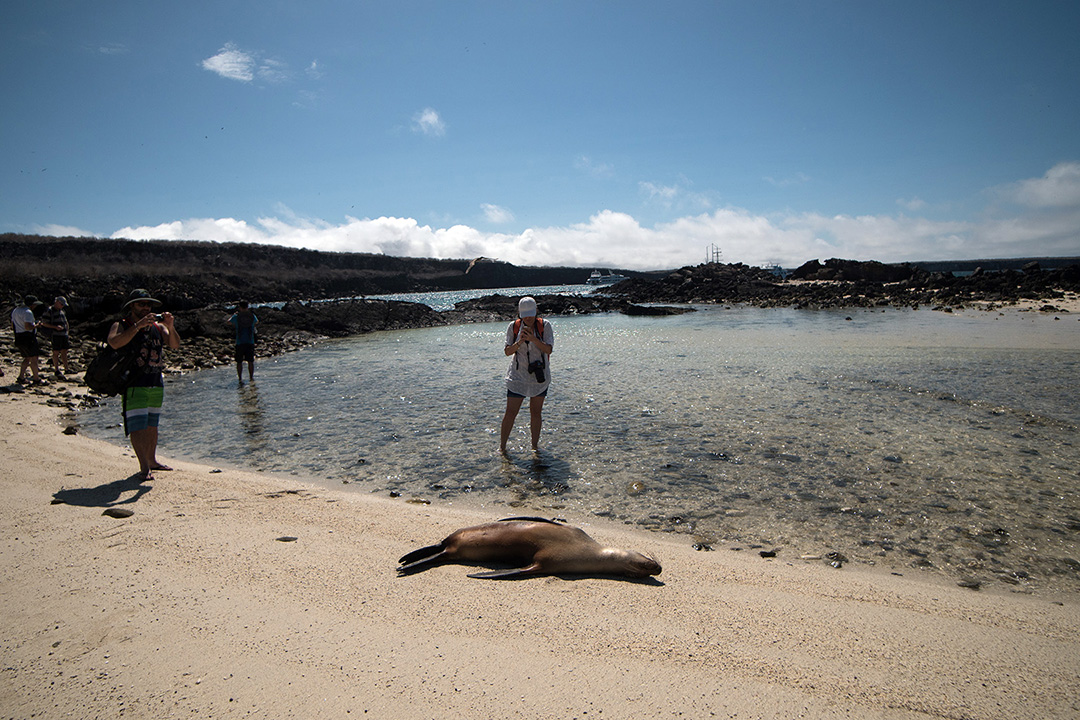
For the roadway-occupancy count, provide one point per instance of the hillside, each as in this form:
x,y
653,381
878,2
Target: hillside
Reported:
x,y
99,273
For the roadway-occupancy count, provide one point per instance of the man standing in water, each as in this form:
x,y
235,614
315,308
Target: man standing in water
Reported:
x,y
244,321
140,333
529,340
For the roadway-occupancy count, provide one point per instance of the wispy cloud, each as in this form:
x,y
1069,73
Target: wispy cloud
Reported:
x,y
113,49
589,166
914,204
232,63
273,71
789,180
678,197
665,193
62,231
429,122
496,214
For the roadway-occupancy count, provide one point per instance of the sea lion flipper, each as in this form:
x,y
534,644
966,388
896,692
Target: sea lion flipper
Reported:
x,y
507,574
423,556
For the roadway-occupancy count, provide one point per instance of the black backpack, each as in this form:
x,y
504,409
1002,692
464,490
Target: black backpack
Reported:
x,y
108,373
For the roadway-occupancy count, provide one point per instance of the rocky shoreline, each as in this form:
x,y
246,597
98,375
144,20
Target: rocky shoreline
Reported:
x,y
207,337
847,283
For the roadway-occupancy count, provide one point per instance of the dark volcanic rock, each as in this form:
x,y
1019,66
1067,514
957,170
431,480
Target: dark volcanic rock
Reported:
x,y
842,283
853,270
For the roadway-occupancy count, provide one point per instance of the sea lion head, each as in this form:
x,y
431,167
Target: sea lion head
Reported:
x,y
631,563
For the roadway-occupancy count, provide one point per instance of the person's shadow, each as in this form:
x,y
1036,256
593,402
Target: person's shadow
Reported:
x,y
106,495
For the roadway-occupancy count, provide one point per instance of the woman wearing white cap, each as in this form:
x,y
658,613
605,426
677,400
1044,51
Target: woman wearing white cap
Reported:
x,y
529,341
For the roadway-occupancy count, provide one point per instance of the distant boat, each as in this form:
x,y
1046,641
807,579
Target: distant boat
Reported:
x,y
775,270
610,279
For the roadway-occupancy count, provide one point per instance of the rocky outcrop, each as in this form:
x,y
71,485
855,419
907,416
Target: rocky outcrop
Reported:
x,y
845,283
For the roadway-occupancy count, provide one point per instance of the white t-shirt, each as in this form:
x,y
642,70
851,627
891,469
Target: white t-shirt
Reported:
x,y
22,318
518,378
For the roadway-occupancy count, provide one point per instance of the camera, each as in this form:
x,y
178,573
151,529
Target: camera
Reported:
x,y
536,367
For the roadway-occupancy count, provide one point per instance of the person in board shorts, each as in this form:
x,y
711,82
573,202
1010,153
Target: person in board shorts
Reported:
x,y
140,331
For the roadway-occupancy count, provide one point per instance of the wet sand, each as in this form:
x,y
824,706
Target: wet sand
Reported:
x,y
193,607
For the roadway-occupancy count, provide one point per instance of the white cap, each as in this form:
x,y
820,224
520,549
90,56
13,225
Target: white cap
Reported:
x,y
526,307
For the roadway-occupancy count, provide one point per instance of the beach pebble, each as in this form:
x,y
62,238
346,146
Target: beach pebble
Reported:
x,y
71,430
970,584
635,488
118,512
287,538
809,557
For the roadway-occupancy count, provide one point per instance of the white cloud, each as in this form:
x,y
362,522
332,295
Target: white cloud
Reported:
x,y
428,122
496,214
1059,187
273,71
62,231
232,63
914,204
113,49
614,239
664,193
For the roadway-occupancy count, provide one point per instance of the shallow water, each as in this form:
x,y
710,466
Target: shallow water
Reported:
x,y
946,442
445,299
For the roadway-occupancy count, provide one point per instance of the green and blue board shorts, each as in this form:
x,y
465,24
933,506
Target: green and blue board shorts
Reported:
x,y
142,407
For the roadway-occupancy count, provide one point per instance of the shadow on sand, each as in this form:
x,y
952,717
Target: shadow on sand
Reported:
x,y
108,495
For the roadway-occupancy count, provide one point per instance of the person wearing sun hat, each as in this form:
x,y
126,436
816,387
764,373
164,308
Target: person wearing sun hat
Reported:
x,y
55,324
147,335
529,340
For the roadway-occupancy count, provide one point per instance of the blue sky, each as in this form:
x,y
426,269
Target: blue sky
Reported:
x,y
627,134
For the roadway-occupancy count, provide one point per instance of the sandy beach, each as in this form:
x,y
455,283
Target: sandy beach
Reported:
x,y
194,607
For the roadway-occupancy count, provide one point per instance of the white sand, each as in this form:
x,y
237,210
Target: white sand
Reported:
x,y
192,608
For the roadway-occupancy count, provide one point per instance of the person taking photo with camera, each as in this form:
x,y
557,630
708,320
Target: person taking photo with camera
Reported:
x,y
529,341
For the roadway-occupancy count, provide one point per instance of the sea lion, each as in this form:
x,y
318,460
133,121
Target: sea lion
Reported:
x,y
545,547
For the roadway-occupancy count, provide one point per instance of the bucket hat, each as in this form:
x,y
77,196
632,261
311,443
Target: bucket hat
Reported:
x,y
141,295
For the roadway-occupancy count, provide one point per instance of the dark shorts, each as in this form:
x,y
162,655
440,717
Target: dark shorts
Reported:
x,y
27,344
60,342
516,395
245,351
